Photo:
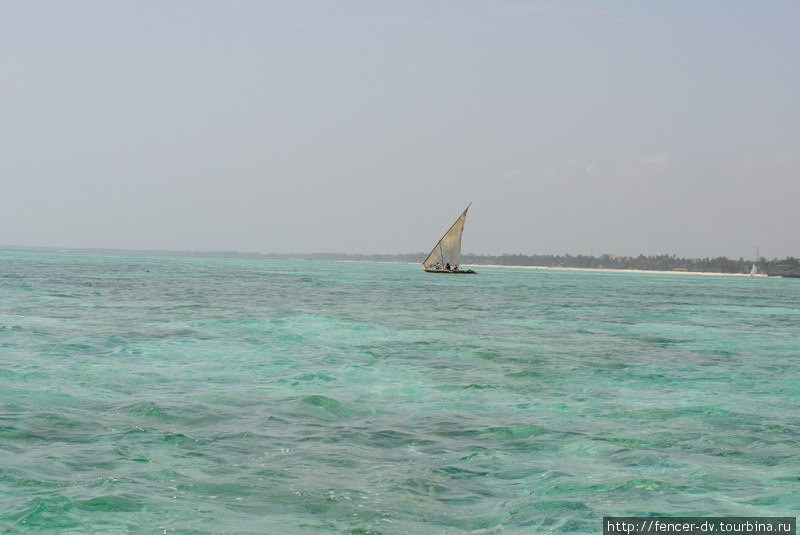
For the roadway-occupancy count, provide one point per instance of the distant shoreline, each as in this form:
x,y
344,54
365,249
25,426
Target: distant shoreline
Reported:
x,y
611,270
789,267
599,270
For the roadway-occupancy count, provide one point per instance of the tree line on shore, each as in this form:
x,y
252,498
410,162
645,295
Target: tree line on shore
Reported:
x,y
664,262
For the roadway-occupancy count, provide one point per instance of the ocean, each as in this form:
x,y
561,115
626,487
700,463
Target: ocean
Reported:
x,y
186,395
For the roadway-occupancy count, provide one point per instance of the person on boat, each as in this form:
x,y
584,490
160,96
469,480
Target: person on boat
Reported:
x,y
438,265
447,267
455,268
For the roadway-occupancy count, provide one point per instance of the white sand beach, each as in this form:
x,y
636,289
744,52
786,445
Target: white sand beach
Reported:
x,y
610,270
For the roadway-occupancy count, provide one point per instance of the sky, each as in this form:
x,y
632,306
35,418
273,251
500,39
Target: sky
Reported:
x,y
574,127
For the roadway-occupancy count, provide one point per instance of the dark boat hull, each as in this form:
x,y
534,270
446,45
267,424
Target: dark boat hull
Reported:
x,y
451,272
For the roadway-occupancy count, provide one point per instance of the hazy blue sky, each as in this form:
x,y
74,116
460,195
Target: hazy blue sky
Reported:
x,y
359,126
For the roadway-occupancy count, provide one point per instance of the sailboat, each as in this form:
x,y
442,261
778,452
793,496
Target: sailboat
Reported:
x,y
446,255
754,270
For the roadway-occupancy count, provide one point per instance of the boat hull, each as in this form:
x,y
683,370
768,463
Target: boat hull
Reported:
x,y
451,272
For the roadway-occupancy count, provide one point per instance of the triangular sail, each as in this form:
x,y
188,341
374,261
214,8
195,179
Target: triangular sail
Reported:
x,y
448,249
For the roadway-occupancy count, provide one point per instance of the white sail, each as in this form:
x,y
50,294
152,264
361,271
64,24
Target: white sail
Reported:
x,y
448,249
753,271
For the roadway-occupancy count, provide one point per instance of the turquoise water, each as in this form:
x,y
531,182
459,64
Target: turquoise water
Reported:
x,y
193,395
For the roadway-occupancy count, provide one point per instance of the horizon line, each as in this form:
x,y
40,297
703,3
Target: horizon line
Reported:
x,y
47,248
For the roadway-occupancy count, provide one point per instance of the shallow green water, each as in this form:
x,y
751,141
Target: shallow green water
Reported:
x,y
192,395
